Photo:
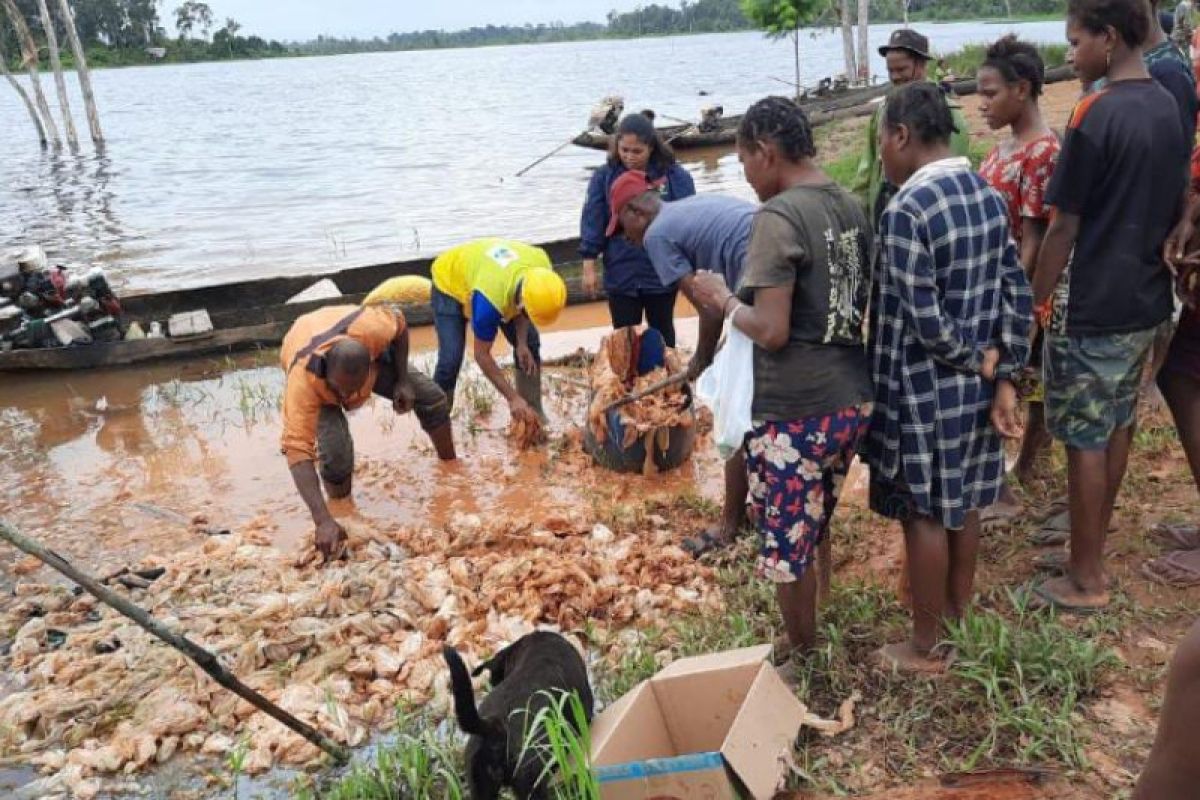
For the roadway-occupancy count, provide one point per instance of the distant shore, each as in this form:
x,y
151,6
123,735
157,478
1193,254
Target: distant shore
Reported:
x,y
112,58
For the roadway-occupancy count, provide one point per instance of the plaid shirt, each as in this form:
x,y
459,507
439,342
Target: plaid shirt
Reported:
x,y
949,286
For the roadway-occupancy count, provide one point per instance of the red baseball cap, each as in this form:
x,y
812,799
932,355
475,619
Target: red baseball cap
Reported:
x,y
631,184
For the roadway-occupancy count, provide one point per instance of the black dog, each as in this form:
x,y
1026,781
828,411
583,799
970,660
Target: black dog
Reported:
x,y
527,676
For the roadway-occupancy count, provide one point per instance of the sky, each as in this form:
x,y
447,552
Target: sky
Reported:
x,y
305,19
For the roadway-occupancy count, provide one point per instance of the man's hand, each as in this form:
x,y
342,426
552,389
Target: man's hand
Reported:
x,y
518,408
591,284
695,367
525,360
991,360
404,398
331,540
710,292
1004,411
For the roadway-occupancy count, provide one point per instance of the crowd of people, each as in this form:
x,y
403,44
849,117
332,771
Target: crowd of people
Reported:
x,y
905,322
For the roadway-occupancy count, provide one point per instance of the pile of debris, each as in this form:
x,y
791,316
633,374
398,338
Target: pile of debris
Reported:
x,y
338,646
614,378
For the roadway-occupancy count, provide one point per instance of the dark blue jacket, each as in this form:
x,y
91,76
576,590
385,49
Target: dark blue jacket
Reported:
x,y
627,268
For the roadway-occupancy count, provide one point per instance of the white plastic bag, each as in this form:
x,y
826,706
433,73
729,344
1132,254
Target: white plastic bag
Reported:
x,y
727,387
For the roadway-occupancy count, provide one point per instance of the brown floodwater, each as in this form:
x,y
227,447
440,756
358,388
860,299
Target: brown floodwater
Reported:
x,y
110,466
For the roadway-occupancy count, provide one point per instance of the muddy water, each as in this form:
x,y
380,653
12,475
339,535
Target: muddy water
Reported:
x,y
98,462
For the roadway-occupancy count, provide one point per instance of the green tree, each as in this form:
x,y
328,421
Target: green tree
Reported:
x,y
192,15
782,19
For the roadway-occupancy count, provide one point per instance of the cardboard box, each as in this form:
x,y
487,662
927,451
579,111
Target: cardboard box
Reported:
x,y
716,727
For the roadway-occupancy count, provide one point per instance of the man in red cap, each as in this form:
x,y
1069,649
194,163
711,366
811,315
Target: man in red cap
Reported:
x,y
629,186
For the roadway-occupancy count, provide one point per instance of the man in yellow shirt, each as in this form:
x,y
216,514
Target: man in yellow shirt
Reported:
x,y
500,286
335,359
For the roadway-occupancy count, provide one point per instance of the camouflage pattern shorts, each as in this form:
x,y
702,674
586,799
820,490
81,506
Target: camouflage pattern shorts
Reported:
x,y
1092,385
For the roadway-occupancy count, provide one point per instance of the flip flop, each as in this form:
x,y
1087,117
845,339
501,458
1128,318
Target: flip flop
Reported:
x,y
703,544
1048,599
999,517
1055,530
1176,536
1170,570
1054,508
1055,561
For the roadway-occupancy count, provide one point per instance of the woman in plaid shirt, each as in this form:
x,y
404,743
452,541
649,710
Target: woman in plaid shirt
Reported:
x,y
952,314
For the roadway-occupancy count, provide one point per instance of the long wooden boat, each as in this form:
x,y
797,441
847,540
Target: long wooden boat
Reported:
x,y
855,102
248,314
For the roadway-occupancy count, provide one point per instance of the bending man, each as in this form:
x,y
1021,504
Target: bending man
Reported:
x,y
702,232
335,359
501,286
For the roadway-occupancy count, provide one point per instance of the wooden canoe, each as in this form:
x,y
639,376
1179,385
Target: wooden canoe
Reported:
x,y
248,314
855,102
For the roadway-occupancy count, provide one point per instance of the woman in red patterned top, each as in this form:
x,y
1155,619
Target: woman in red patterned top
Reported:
x,y
1019,168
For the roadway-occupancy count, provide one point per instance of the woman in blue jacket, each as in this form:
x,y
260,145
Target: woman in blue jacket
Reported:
x,y
633,288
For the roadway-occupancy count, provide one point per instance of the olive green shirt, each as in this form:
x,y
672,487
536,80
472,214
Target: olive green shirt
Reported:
x,y
869,181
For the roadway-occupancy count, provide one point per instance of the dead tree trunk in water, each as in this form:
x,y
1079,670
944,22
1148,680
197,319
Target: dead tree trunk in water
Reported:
x,y
864,41
60,84
81,69
20,90
848,40
29,58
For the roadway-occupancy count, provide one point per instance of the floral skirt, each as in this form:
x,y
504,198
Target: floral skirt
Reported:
x,y
796,471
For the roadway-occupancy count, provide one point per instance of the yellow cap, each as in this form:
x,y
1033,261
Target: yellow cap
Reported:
x,y
403,289
543,295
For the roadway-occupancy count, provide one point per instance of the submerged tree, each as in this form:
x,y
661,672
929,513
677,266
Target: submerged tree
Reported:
x,y
81,70
29,60
20,90
60,84
782,19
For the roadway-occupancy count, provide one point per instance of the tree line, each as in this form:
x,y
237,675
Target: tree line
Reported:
x,y
119,32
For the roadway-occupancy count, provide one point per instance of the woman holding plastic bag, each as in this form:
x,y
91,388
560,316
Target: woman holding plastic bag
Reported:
x,y
802,302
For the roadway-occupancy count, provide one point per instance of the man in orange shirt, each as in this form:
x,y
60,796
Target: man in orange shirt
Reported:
x,y
335,359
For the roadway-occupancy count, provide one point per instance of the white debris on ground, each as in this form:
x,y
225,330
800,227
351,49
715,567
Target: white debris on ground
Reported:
x,y
338,646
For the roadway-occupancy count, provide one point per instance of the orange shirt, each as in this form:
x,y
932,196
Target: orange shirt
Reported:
x,y
306,393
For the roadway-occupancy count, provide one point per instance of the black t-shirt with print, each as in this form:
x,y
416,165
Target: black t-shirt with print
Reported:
x,y
817,238
1122,171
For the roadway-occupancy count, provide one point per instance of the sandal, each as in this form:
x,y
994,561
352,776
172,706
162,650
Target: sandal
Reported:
x,y
703,544
1055,561
1044,596
1176,536
1175,569
1055,530
999,517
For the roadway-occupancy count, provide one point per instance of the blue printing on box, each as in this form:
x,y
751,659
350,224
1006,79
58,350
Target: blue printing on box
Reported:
x,y
659,766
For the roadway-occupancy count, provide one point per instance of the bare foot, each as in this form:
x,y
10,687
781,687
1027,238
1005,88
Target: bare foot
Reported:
x,y
904,658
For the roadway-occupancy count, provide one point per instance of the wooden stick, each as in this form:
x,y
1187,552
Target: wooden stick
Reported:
x,y
649,390
203,658
543,158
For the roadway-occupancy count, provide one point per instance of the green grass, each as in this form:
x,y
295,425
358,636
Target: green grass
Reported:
x,y
965,63
843,170
1024,676
418,763
560,735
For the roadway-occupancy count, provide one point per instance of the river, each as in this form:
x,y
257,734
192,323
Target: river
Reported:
x,y
219,172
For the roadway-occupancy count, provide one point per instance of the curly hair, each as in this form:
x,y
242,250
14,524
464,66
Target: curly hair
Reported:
x,y
1129,18
782,121
1017,61
922,108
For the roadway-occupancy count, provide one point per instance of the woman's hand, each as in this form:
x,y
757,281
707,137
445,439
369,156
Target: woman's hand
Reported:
x,y
711,293
991,360
1005,417
591,284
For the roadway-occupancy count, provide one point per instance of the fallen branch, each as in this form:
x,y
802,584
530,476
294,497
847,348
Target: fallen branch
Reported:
x,y
203,658
666,383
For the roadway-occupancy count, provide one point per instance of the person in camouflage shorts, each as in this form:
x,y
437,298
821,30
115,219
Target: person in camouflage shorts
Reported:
x,y
1091,390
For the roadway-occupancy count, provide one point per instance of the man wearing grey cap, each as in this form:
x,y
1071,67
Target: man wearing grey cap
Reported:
x,y
908,56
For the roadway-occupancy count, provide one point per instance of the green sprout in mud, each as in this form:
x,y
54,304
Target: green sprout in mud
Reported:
x,y
235,762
